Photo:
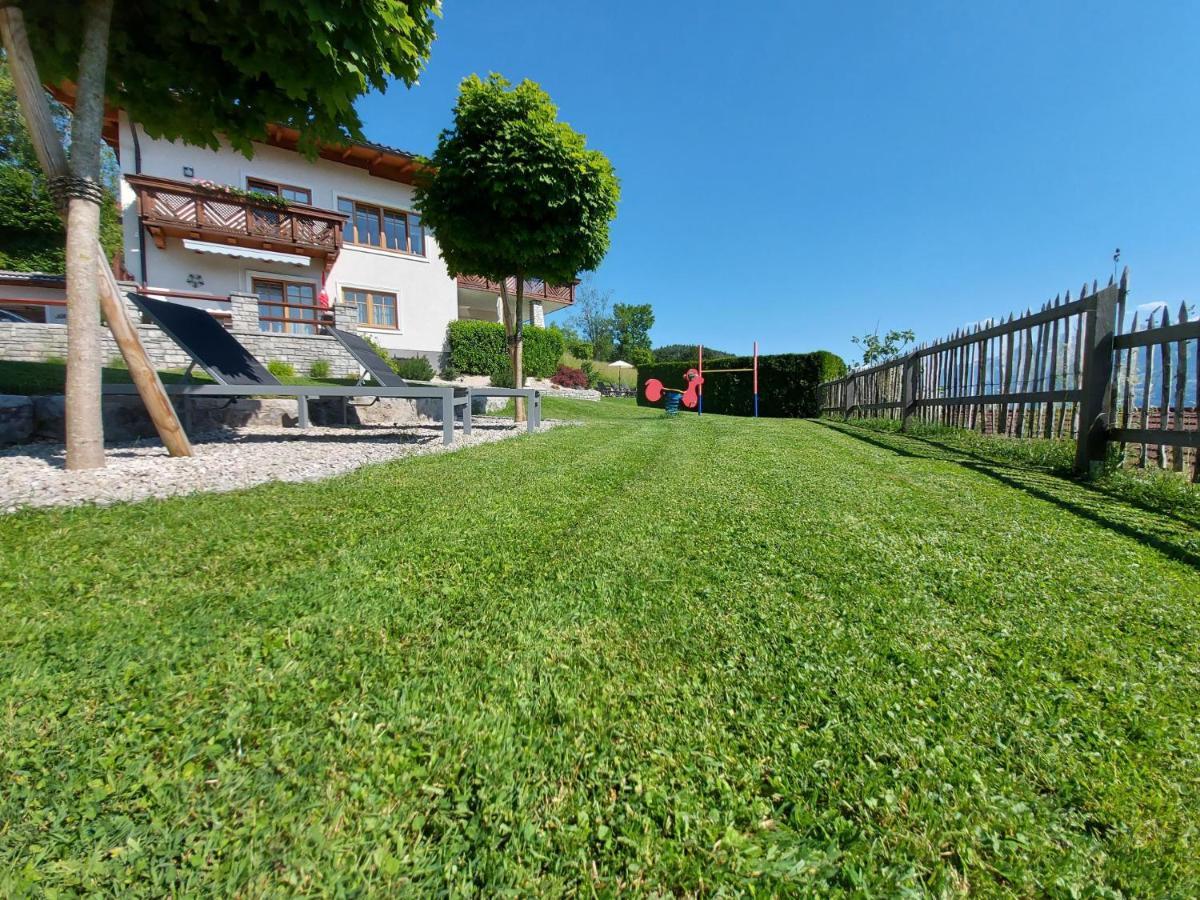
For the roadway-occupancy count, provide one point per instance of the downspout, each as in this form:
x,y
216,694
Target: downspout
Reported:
x,y
137,170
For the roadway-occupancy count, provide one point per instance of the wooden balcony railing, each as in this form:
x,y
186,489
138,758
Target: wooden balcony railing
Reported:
x,y
535,288
180,209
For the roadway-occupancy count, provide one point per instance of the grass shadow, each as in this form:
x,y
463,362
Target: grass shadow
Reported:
x,y
1155,529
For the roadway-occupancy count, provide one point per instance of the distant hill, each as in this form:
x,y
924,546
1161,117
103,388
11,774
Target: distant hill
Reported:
x,y
685,352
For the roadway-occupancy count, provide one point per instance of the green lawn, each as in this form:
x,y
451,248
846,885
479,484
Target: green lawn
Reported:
x,y
626,377
688,656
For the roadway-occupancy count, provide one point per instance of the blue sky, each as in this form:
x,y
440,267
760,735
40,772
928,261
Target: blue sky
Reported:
x,y
802,172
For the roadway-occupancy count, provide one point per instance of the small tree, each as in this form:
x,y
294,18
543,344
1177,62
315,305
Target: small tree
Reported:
x,y
514,193
593,317
198,72
631,327
877,350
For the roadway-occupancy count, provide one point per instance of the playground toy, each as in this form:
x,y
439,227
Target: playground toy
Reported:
x,y
693,395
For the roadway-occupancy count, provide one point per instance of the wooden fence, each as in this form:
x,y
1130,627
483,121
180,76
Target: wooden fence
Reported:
x,y
1070,369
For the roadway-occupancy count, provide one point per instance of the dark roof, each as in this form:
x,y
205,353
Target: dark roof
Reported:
x,y
33,279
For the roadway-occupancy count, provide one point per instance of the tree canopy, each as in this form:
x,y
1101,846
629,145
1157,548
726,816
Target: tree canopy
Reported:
x,y
515,191
879,350
631,327
198,71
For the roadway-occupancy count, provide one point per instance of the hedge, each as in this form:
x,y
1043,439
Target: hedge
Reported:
x,y
479,348
787,383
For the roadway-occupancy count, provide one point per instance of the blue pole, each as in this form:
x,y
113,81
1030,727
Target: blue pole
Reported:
x,y
756,404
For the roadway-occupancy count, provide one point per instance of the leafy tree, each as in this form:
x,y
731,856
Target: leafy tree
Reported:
x,y
32,236
631,327
517,194
685,353
593,317
200,72
640,356
876,350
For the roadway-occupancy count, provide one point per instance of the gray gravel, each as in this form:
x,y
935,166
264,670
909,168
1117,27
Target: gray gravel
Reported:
x,y
33,474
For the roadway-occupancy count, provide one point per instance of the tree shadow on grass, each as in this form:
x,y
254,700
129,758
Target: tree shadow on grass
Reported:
x,y
1173,537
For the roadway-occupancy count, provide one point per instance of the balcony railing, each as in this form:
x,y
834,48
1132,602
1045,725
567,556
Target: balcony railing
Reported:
x,y
535,288
180,209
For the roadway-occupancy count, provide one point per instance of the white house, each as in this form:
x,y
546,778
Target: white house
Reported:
x,y
341,240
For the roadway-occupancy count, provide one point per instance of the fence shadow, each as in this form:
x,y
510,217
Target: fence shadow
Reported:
x,y
1174,538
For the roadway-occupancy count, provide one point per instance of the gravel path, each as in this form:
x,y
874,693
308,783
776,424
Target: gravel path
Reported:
x,y
33,474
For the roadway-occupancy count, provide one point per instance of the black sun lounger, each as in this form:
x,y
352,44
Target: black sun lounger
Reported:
x,y
238,374
378,368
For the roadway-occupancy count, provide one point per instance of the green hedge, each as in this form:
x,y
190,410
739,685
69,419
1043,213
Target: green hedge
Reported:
x,y
478,348
787,383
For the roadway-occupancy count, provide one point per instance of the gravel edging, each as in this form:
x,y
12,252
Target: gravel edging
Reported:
x,y
32,475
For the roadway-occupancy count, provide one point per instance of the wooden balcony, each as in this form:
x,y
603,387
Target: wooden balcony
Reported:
x,y
535,289
184,210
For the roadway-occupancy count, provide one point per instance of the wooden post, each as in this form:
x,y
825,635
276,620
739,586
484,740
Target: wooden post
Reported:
x,y
53,159
1099,325
908,389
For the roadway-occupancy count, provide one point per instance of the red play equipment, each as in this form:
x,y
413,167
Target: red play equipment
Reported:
x,y
693,395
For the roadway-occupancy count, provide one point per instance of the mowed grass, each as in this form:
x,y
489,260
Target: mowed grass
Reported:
x,y
692,656
50,377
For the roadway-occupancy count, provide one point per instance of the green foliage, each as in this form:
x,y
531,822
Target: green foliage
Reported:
x,y
833,366
203,71
49,376
686,353
319,369
32,236
416,368
631,328
281,368
580,349
640,356
593,317
514,190
764,659
589,370
787,384
480,348
876,350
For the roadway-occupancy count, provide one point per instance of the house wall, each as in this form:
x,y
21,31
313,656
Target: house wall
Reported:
x,y
427,297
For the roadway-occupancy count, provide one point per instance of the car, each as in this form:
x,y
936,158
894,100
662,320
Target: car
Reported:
x,y
7,315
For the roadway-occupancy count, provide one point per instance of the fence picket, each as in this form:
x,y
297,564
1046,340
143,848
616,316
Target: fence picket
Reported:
x,y
1148,375
1181,373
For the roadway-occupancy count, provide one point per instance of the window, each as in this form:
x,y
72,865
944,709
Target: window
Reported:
x,y
288,192
376,309
287,307
376,226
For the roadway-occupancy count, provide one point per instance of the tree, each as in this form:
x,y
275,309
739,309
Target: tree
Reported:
x,y
631,327
32,236
875,350
515,193
593,317
640,356
686,353
199,72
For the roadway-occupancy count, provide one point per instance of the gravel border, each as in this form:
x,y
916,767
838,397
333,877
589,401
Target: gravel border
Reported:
x,y
32,475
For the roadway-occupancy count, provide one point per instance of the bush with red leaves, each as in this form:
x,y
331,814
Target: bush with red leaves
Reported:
x,y
569,378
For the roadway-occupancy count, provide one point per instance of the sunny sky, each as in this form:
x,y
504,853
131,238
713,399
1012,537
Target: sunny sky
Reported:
x,y
802,172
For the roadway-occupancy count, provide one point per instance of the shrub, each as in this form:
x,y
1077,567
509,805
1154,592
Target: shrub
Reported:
x,y
480,348
449,373
503,378
580,349
640,356
416,368
787,383
319,369
281,368
569,377
589,369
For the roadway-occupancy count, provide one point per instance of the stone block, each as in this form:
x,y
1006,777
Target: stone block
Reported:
x,y
16,419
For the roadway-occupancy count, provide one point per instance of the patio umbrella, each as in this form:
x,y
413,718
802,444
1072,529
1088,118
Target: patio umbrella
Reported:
x,y
618,365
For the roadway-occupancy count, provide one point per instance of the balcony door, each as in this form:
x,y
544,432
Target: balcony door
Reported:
x,y
287,307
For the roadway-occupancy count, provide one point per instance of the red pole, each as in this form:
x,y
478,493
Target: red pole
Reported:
x,y
700,389
756,379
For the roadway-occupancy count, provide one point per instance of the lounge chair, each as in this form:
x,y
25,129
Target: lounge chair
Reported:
x,y
238,374
377,367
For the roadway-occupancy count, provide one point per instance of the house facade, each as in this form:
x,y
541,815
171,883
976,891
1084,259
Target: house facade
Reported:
x,y
278,244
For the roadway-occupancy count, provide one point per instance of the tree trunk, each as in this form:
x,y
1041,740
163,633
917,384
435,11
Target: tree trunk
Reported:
x,y
518,349
85,429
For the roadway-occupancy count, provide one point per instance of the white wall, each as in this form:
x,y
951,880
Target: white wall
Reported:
x,y
427,295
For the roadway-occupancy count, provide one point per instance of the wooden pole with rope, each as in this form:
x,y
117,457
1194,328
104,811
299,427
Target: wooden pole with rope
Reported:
x,y
32,100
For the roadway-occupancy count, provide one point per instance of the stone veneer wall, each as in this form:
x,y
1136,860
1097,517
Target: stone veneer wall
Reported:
x,y
34,342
